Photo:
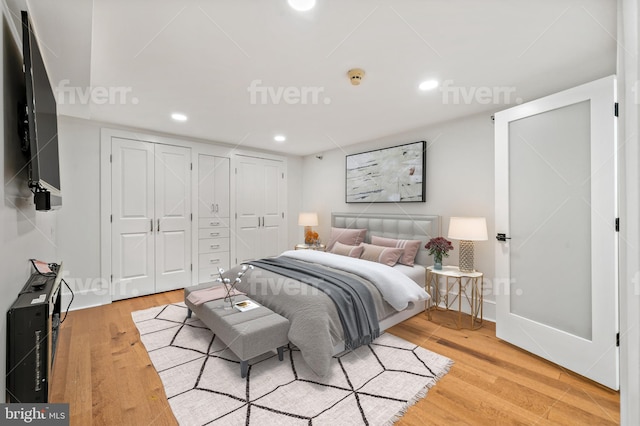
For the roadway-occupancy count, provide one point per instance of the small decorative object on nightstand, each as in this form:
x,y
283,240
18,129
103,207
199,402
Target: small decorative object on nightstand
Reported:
x,y
468,285
308,220
438,247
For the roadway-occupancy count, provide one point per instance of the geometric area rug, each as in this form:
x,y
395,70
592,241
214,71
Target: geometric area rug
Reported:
x,y
372,385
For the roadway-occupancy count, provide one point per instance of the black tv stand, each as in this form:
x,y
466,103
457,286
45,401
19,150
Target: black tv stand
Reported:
x,y
32,334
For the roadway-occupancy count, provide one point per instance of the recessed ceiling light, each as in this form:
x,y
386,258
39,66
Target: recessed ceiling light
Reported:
x,y
302,5
428,85
179,117
279,138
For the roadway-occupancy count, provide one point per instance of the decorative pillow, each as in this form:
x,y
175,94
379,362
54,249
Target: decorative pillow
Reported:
x,y
410,247
350,237
345,250
385,255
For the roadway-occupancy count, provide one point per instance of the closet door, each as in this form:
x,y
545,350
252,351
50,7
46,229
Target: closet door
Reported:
x,y
271,175
249,201
213,207
173,217
132,231
259,206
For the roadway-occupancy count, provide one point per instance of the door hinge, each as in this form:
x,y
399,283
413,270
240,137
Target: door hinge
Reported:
x,y
618,339
191,166
236,170
111,218
192,266
283,176
236,215
283,215
617,224
111,158
191,217
615,109
111,278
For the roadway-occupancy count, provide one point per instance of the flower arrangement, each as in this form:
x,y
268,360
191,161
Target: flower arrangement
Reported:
x,y
231,286
438,247
310,237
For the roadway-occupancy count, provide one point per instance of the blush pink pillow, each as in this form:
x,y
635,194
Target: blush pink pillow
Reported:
x,y
350,237
345,250
410,247
385,255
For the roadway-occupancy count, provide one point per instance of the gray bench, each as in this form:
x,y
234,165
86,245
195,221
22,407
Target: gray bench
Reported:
x,y
247,334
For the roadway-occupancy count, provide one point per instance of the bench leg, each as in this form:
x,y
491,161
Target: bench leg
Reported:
x,y
281,353
244,368
188,313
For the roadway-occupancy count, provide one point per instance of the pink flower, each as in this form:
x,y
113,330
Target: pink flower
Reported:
x,y
439,247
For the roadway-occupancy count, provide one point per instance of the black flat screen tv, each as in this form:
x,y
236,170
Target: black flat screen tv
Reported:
x,y
41,135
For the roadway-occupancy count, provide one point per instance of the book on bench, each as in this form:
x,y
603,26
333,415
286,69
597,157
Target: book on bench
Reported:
x,y
245,305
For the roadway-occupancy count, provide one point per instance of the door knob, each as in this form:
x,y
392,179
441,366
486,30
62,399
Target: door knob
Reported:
x,y
502,237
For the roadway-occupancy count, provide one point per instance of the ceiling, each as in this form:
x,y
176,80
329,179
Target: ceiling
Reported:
x,y
144,60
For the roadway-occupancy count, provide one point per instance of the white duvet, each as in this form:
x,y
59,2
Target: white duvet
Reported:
x,y
396,288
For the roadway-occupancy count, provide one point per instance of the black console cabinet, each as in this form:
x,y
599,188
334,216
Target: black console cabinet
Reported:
x,y
32,330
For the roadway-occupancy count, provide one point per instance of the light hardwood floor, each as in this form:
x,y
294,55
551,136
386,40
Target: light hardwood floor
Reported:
x,y
103,371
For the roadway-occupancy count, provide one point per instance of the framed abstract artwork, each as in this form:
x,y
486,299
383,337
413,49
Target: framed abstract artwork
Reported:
x,y
388,175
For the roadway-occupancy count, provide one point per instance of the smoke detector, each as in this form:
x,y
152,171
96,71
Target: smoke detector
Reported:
x,y
355,75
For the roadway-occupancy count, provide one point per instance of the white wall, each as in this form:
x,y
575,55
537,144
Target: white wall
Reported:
x,y
24,233
79,220
629,85
459,183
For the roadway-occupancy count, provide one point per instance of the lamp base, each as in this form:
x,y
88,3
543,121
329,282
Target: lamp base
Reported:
x,y
466,256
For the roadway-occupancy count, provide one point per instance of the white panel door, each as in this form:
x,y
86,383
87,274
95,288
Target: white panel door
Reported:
x,y
556,202
213,181
133,213
173,217
221,187
271,213
249,202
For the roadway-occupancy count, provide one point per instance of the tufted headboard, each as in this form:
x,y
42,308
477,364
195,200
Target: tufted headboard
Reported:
x,y
399,226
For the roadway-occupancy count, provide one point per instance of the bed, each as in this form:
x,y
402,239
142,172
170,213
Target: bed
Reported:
x,y
316,323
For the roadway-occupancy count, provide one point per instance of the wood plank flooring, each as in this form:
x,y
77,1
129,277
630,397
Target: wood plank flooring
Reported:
x,y
103,371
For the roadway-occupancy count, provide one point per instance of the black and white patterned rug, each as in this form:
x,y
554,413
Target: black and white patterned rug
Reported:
x,y
373,385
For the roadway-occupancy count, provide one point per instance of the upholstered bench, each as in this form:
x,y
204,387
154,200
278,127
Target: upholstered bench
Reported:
x,y
248,334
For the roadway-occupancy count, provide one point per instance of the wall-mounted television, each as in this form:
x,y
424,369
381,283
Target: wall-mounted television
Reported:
x,y
40,124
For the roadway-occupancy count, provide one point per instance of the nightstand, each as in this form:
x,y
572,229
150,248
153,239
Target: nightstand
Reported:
x,y
319,247
468,285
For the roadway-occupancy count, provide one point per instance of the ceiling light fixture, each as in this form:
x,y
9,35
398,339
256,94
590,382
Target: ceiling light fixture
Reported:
x,y
179,117
279,138
428,85
302,5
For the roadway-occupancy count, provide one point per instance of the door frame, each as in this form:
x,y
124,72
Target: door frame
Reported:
x,y
549,103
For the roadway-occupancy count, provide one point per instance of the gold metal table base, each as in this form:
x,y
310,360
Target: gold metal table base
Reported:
x,y
469,286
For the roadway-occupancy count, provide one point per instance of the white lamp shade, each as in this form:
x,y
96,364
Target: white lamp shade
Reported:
x,y
308,219
468,228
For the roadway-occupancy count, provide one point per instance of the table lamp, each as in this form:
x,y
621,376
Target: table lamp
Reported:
x,y
307,220
467,230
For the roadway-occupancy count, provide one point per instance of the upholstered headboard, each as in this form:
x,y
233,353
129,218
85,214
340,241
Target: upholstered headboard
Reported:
x,y
399,226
